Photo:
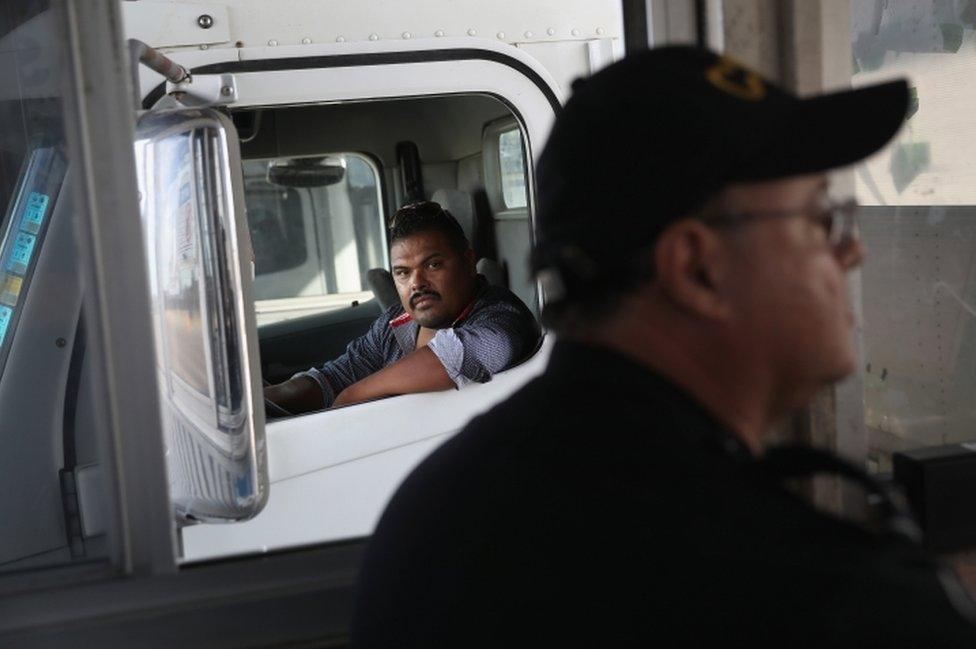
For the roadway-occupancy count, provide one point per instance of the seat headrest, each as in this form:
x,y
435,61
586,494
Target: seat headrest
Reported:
x,y
493,271
461,206
381,283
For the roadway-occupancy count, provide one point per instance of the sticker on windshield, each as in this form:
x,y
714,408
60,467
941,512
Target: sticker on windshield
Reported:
x,y
34,213
5,314
10,286
20,256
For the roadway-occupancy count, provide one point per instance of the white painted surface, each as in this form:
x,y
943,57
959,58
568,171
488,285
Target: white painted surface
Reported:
x,y
279,310
409,80
332,472
566,61
296,22
174,24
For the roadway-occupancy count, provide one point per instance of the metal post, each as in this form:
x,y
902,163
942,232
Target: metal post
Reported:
x,y
100,125
158,62
635,25
701,23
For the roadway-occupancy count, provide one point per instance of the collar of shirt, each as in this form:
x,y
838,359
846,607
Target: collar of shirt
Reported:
x,y
405,328
607,374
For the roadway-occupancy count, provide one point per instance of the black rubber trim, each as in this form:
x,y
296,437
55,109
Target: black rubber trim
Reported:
x,y
72,390
374,58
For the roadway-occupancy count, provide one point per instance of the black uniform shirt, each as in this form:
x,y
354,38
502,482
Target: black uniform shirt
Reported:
x,y
600,506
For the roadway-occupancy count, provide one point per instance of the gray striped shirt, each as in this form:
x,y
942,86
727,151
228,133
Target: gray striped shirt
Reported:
x,y
495,332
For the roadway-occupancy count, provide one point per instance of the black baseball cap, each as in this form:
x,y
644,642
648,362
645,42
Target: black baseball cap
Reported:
x,y
653,137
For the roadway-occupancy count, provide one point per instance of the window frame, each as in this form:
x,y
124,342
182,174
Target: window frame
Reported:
x,y
492,167
531,97
502,171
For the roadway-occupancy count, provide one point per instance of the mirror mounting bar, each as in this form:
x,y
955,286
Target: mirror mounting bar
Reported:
x,y
158,62
187,91
155,61
204,90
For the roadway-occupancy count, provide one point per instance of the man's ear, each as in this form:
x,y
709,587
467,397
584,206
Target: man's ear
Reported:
x,y
691,268
470,260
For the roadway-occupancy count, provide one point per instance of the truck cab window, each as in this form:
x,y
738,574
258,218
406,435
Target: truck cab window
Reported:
x,y
317,228
277,229
512,162
52,496
318,231
919,226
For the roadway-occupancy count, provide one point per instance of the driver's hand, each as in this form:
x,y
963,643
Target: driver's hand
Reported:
x,y
297,394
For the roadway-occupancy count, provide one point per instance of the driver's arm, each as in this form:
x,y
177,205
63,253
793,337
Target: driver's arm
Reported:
x,y
297,394
316,388
418,371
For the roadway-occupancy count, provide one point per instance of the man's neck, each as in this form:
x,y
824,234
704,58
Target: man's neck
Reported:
x,y
735,396
424,336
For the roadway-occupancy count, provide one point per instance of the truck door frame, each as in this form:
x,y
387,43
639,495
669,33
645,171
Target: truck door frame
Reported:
x,y
304,456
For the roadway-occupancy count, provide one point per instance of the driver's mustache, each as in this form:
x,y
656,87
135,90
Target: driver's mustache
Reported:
x,y
418,295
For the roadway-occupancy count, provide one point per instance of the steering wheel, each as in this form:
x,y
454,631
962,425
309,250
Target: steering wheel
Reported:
x,y
271,409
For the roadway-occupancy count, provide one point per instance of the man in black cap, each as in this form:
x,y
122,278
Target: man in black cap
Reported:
x,y
695,273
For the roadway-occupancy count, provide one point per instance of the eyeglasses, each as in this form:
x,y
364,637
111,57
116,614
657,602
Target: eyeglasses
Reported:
x,y
838,219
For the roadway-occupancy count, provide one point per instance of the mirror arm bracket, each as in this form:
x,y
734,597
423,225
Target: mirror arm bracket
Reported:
x,y
142,53
205,90
208,90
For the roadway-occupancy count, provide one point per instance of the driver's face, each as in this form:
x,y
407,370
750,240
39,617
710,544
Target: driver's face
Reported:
x,y
434,281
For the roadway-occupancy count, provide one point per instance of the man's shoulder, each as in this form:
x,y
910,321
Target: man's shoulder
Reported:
x,y
502,434
493,299
547,477
463,470
388,317
531,447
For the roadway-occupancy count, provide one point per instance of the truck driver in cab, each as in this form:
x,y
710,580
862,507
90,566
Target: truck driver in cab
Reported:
x,y
450,329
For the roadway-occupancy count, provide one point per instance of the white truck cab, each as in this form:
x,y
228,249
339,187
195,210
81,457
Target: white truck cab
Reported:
x,y
440,111
208,220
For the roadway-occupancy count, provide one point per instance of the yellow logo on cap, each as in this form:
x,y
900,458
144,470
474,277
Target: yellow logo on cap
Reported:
x,y
736,80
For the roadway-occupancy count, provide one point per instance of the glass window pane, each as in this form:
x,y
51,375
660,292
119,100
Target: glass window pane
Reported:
x,y
512,163
919,226
316,226
275,218
52,497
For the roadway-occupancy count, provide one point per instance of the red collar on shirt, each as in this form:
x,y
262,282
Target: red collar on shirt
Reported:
x,y
401,319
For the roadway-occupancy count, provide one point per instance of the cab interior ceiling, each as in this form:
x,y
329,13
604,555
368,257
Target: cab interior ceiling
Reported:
x,y
445,129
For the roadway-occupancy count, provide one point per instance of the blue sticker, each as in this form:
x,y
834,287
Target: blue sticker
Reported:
x,y
20,255
243,485
34,212
5,315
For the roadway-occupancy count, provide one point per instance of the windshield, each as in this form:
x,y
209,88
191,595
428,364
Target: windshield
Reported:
x,y
51,491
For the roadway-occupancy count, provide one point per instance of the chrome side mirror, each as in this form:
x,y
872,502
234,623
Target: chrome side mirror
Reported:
x,y
199,256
